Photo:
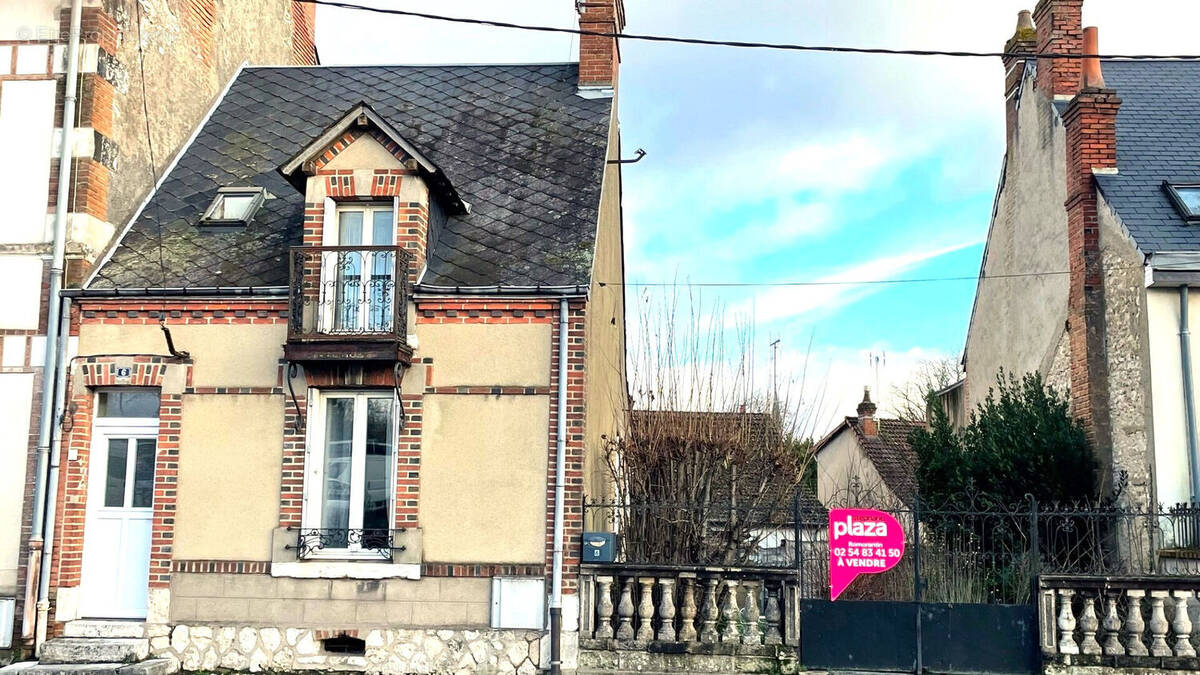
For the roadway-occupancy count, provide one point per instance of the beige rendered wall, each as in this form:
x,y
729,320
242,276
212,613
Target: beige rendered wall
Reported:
x,y
607,390
229,467
487,354
16,390
1016,323
1170,421
483,478
847,478
223,355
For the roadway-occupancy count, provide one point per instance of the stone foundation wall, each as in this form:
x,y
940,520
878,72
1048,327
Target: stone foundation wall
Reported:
x,y
695,659
388,651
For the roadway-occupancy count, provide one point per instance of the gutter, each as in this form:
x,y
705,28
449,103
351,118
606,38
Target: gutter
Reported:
x,y
1189,406
424,290
60,396
53,320
560,455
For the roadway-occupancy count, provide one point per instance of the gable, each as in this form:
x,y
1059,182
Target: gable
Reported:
x,y
362,151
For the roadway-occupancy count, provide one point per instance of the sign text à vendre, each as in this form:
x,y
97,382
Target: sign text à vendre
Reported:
x,y
861,541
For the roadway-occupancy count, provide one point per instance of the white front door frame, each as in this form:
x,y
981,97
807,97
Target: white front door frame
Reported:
x,y
115,572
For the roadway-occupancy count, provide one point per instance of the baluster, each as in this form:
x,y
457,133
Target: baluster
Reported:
x,y
729,612
1158,625
1066,623
604,608
625,611
666,610
708,632
753,634
1134,625
1112,627
645,631
773,637
687,612
1182,625
1088,625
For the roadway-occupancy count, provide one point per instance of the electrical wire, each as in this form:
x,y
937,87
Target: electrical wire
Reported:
x,y
744,44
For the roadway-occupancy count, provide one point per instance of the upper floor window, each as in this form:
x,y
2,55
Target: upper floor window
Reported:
x,y
360,276
233,206
1186,199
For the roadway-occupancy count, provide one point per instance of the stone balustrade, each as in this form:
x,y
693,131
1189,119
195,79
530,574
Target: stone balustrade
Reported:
x,y
649,606
1123,621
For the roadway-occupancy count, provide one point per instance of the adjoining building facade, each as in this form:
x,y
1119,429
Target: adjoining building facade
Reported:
x,y
342,382
190,51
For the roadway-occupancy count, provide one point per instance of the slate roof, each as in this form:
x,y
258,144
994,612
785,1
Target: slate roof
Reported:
x,y
1158,139
516,141
889,452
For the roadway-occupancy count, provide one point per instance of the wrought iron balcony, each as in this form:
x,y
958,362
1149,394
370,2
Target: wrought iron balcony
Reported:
x,y
342,543
341,297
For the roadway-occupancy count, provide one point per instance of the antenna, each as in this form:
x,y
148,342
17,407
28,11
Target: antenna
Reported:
x,y
775,375
877,361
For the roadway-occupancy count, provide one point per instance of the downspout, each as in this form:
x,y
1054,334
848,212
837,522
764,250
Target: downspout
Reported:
x,y
53,314
60,396
560,457
1189,406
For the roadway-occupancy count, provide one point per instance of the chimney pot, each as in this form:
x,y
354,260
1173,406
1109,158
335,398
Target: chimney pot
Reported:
x,y
866,415
1024,21
1093,74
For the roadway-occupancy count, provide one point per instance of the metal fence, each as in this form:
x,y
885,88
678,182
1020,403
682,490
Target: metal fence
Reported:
x,y
973,552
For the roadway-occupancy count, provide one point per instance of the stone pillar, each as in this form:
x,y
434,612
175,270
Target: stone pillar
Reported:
x,y
687,618
666,610
604,608
753,635
645,630
1088,625
773,636
1134,625
1158,625
708,632
1066,623
1182,625
625,611
1112,627
730,612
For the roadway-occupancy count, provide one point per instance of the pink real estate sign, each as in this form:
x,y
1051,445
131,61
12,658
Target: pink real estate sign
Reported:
x,y
861,541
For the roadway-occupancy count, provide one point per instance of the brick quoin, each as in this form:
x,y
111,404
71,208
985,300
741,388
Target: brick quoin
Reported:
x,y
1059,31
576,344
1091,145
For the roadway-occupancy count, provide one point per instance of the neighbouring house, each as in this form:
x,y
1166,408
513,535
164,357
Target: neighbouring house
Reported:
x,y
342,382
191,49
1093,246
867,461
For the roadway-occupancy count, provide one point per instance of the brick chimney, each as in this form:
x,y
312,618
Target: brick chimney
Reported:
x,y
1059,31
1090,121
866,415
1023,41
599,57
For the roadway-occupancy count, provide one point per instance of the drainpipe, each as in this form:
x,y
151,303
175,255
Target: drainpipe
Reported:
x,y
560,457
50,365
60,396
1189,406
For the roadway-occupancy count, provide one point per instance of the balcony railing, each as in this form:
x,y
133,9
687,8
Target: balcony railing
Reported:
x,y
347,543
348,293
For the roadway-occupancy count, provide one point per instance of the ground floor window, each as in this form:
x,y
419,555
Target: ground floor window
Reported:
x,y
348,501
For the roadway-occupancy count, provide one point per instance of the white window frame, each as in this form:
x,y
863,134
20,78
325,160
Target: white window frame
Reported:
x,y
257,195
329,237
314,466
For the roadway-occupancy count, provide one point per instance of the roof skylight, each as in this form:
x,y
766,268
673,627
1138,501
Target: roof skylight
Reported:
x,y
1186,199
233,206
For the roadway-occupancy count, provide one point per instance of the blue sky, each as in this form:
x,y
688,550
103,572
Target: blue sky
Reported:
x,y
767,166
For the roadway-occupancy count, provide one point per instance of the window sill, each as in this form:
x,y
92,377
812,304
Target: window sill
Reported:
x,y
343,569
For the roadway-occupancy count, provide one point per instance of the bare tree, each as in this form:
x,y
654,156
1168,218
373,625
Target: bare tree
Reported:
x,y
710,463
909,399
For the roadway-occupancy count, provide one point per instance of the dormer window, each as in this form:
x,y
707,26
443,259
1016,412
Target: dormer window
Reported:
x,y
1186,199
233,206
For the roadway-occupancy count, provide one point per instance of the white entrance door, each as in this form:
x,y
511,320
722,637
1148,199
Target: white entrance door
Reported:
x,y
116,548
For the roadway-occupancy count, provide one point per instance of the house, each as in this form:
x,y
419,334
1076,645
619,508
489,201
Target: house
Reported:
x,y
867,461
190,50
343,380
1092,248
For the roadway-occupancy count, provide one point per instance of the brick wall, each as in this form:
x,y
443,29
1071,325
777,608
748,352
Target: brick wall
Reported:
x,y
1059,31
576,345
599,57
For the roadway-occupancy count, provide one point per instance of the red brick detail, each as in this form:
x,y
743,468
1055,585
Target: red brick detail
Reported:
x,y
314,223
291,479
88,192
1091,143
576,345
326,633
339,145
491,390
408,462
339,186
199,17
477,570
482,311
386,184
96,26
222,566
1059,31
599,57
412,232
304,22
195,312
100,371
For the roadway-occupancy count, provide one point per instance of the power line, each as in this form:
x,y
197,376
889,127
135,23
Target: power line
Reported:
x,y
845,282
748,44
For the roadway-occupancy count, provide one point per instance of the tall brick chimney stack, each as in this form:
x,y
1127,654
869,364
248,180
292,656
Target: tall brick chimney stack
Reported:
x,y
1090,121
599,57
1059,31
866,415
1023,41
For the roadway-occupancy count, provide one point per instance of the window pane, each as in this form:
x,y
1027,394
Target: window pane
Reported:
x,y
339,434
377,491
233,207
382,227
350,228
129,403
114,482
143,474
1191,199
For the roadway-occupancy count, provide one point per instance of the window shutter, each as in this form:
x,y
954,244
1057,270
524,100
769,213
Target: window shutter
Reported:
x,y
329,225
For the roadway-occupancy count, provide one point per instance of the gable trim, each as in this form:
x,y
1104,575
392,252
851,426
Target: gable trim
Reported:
x,y
359,115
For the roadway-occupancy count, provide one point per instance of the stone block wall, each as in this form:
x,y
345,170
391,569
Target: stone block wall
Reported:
x,y
330,604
